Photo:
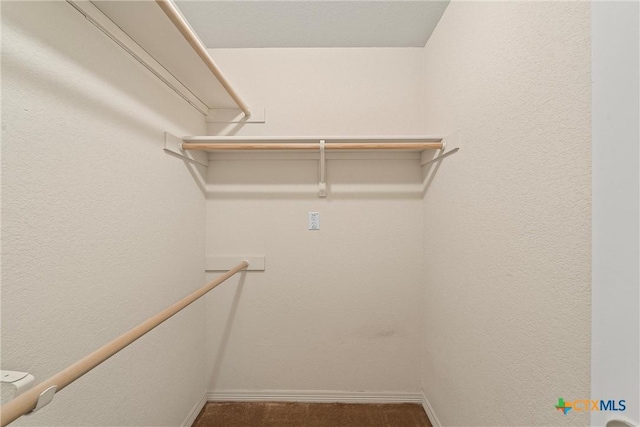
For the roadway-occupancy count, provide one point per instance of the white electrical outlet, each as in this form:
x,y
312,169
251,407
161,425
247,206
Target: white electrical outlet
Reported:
x,y
314,220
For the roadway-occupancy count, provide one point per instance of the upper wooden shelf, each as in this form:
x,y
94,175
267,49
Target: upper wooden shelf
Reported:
x,y
167,47
242,143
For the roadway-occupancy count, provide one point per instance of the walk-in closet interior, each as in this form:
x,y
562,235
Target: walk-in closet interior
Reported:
x,y
430,202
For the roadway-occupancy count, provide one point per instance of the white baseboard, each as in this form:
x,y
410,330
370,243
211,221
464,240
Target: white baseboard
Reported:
x,y
312,396
435,422
195,411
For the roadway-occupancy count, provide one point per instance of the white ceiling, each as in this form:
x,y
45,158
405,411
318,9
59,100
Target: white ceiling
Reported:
x,y
313,23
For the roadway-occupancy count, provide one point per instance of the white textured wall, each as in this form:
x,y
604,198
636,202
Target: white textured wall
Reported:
x,y
322,91
100,228
615,355
336,309
507,219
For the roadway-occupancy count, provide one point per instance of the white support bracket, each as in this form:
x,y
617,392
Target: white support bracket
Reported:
x,y
22,381
453,138
173,145
322,185
44,399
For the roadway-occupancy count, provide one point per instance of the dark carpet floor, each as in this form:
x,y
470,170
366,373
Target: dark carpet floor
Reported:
x,y
277,414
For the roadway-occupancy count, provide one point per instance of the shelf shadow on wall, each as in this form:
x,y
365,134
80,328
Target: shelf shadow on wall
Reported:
x,y
298,179
198,173
429,173
112,67
64,91
226,334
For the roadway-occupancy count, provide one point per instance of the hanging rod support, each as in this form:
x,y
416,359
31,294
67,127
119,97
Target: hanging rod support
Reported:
x,y
322,192
44,399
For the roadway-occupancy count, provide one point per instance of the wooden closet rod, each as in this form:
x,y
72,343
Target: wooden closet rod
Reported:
x,y
181,24
212,146
28,401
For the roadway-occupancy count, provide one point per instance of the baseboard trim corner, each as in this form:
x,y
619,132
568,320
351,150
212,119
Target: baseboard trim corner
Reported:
x,y
431,414
312,396
188,422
